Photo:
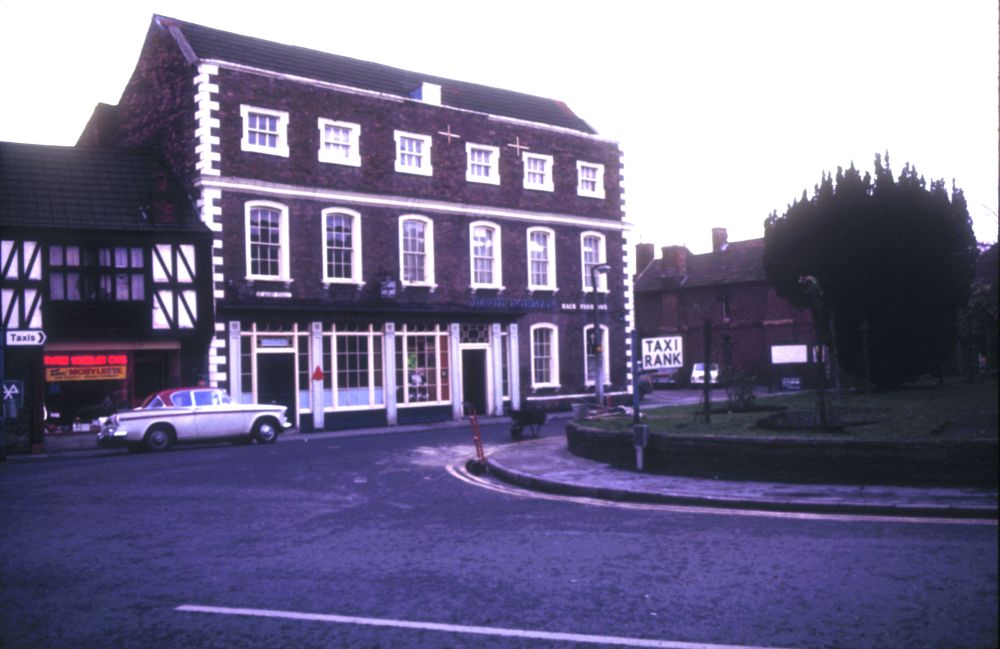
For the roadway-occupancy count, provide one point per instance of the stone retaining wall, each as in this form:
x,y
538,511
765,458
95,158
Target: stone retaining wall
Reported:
x,y
786,458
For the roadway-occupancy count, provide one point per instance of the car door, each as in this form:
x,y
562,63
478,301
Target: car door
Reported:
x,y
182,415
215,416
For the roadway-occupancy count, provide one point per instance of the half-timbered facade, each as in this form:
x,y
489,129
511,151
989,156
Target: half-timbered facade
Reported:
x,y
388,246
105,281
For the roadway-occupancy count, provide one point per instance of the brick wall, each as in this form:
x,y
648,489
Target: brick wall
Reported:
x,y
379,118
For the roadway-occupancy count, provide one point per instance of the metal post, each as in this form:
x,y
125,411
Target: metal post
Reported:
x,y
3,406
707,386
636,369
599,348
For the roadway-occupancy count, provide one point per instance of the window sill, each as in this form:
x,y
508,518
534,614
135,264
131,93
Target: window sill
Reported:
x,y
483,180
281,152
427,285
342,282
250,279
415,172
349,162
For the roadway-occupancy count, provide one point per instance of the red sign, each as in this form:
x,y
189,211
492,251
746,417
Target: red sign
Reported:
x,y
85,360
317,374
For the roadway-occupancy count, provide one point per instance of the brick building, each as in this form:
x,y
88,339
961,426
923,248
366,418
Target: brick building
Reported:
x,y
752,328
105,270
387,244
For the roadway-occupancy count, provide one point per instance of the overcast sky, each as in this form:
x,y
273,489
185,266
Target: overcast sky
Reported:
x,y
726,110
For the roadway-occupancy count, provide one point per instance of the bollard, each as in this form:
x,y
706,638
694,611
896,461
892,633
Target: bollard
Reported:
x,y
640,439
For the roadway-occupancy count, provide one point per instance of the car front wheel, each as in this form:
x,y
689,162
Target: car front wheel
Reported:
x,y
266,431
158,439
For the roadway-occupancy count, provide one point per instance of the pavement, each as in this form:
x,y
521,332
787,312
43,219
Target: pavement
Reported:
x,y
545,465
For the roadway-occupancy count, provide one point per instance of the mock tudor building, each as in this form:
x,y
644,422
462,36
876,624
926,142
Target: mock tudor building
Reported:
x,y
388,245
752,328
105,270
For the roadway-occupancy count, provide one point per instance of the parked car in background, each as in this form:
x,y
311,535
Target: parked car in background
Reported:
x,y
698,373
192,415
645,384
673,377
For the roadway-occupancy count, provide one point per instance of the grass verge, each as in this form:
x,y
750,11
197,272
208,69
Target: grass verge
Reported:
x,y
955,410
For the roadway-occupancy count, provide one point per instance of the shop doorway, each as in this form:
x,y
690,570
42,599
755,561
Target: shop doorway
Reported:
x,y
474,379
276,381
149,376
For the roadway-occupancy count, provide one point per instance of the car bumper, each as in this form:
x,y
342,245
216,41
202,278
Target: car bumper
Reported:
x,y
112,439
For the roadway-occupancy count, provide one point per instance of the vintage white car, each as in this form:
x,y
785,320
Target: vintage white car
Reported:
x,y
192,415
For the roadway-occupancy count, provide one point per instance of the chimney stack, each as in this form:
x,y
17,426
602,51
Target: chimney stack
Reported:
x,y
675,258
720,239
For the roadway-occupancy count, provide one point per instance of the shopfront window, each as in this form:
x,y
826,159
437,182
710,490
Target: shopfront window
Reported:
x,y
80,388
355,378
422,376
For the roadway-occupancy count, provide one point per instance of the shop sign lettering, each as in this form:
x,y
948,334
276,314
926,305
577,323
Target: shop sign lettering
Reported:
x,y
93,373
513,303
662,353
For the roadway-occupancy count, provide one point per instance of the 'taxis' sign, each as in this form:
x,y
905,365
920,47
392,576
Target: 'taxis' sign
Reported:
x,y
25,337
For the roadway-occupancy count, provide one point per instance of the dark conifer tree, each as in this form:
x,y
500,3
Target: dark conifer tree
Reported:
x,y
889,253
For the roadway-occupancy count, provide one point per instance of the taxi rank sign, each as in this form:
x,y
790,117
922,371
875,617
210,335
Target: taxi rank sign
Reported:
x,y
662,353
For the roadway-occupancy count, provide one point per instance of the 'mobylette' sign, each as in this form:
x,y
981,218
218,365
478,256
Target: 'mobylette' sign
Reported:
x,y
662,353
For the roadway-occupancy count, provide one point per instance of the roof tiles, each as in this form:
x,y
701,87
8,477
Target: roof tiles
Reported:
x,y
217,45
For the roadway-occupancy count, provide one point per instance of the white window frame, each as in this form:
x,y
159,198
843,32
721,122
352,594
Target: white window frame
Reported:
x,y
356,248
284,244
547,184
353,158
550,252
493,177
442,375
602,253
605,355
496,269
428,252
425,168
598,191
553,360
281,145
376,370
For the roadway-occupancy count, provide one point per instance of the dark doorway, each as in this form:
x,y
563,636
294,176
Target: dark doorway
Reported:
x,y
276,381
474,379
149,376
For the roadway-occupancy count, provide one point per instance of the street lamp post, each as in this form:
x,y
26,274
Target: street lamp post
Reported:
x,y
599,340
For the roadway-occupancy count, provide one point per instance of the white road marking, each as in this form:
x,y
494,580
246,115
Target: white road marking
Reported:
x,y
460,628
511,490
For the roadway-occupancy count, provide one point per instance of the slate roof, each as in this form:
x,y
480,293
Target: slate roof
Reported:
x,y
218,45
741,262
69,188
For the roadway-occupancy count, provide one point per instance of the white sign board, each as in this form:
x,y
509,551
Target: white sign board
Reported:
x,y
25,337
784,354
662,353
